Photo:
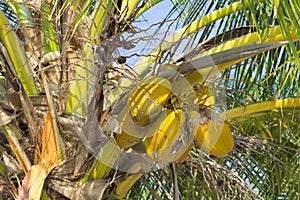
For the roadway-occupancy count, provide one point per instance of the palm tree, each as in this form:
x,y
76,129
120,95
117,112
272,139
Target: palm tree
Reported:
x,y
76,74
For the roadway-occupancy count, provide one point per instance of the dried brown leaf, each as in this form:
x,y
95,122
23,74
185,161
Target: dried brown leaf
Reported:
x,y
6,118
49,158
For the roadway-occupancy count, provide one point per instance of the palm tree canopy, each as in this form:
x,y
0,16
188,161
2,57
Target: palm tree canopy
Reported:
x,y
99,99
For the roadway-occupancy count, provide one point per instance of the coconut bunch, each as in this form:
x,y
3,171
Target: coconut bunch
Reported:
x,y
164,121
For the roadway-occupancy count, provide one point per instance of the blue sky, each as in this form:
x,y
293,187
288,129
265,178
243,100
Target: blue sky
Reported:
x,y
154,15
158,12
